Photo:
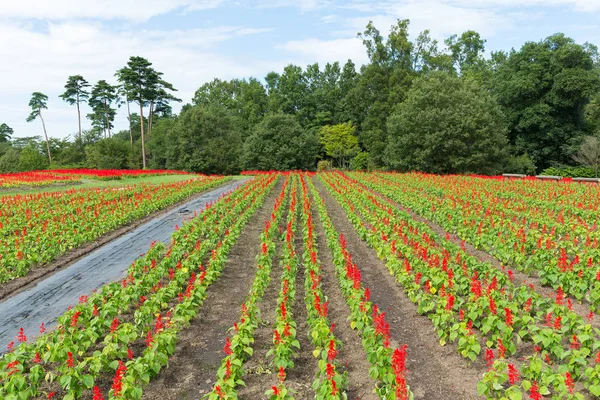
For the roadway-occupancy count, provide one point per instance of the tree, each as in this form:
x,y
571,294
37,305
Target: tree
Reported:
x,y
30,159
76,93
446,124
339,142
203,139
9,162
39,102
102,98
278,142
589,153
138,80
5,132
543,89
109,153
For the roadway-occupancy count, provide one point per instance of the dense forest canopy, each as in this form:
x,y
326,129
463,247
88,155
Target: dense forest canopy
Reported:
x,y
416,105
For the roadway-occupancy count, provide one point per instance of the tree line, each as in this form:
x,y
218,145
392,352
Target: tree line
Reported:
x,y
417,104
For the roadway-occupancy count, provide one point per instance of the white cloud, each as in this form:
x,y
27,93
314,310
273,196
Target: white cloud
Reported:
x,y
136,10
43,61
323,51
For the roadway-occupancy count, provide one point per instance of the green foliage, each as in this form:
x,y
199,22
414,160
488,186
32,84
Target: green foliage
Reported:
x,y
108,153
446,125
38,102
543,88
75,90
31,159
323,165
360,162
570,172
102,100
279,142
9,162
339,142
202,140
521,164
5,132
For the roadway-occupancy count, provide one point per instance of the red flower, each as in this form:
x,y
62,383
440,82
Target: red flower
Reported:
x,y
489,357
399,360
330,371
129,354
332,353
97,394
227,347
37,358
501,349
557,324
534,393
569,383
21,337
281,374
492,306
449,302
575,343
275,390
51,395
75,318
509,316
42,328
513,374
118,379
114,325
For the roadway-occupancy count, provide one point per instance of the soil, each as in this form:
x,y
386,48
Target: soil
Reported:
x,y
192,369
41,272
434,372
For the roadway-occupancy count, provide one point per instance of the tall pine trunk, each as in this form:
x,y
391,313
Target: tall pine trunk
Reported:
x,y
150,120
106,115
79,117
129,119
142,132
46,136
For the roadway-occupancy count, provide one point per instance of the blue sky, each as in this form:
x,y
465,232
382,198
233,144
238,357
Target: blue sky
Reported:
x,y
194,41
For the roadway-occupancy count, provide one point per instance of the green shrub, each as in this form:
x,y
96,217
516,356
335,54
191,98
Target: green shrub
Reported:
x,y
570,172
323,165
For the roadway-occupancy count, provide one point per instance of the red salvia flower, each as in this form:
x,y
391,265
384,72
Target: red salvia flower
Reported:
x,y
569,383
10,346
275,390
489,357
332,353
513,374
115,325
575,343
330,371
227,347
509,316
449,302
501,349
493,308
534,393
118,379
129,354
281,374
557,323
42,328
97,394
21,337
51,395
75,318
37,359
70,361
149,339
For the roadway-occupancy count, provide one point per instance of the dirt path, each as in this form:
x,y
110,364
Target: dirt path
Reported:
x,y
193,367
50,297
434,372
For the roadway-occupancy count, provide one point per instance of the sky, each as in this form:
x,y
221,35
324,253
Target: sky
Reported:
x,y
194,41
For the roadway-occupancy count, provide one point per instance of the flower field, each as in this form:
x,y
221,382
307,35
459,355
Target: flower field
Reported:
x,y
37,228
50,177
328,286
